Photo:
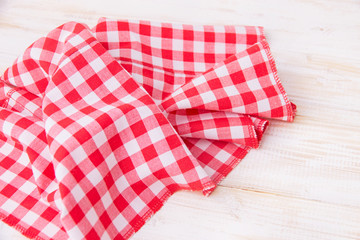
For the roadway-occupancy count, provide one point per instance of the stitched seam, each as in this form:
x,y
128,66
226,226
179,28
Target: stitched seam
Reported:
x,y
233,163
20,228
24,107
277,79
8,96
208,186
253,135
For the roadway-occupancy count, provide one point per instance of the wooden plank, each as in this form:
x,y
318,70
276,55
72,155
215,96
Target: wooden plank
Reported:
x,y
237,214
312,161
304,181
234,214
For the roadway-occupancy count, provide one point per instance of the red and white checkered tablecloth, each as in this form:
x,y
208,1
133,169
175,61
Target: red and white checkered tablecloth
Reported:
x,y
100,126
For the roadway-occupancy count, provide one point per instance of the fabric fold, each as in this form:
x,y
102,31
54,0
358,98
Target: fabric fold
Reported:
x,y
245,83
215,125
99,127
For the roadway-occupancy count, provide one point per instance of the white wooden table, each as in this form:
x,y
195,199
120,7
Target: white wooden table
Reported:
x,y
304,181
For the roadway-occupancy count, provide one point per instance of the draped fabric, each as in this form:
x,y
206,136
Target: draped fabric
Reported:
x,y
100,126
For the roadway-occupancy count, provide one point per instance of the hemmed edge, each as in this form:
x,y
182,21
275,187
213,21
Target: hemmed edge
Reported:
x,y
18,227
208,188
290,107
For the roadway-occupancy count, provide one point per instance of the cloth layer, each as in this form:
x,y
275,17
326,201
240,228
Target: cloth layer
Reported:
x,y
100,126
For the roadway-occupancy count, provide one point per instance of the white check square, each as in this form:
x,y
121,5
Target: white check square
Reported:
x,y
132,147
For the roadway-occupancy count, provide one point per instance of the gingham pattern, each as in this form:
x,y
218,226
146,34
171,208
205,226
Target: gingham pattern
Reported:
x,y
100,126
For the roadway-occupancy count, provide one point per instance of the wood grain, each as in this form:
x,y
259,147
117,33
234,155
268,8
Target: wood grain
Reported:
x,y
304,181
